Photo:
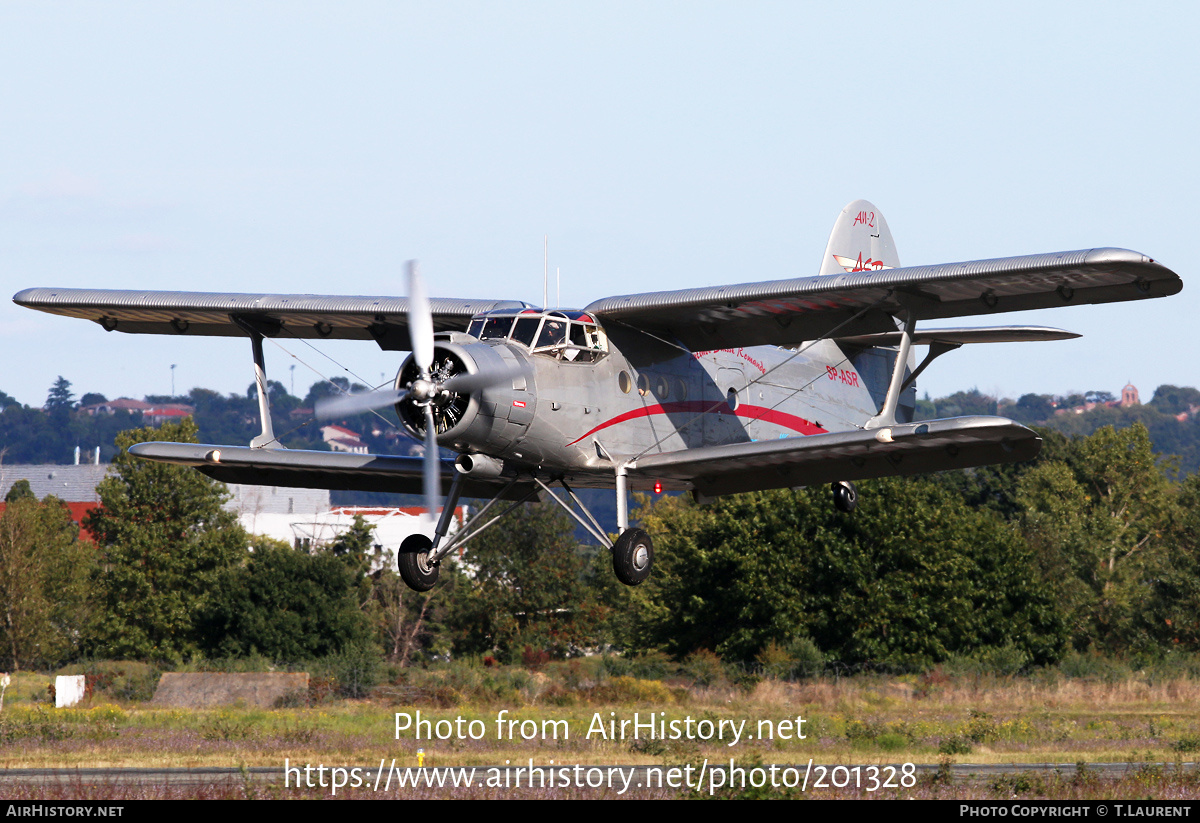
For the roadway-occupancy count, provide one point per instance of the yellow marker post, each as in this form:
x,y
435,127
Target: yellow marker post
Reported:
x,y
420,757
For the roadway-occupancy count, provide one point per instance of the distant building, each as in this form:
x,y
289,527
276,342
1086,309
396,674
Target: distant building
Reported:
x,y
74,485
1129,396
299,517
149,411
342,439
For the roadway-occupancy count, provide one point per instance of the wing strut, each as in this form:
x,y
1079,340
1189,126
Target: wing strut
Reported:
x,y
266,439
470,530
936,350
887,414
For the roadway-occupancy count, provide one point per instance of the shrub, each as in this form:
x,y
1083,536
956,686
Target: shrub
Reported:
x,y
955,745
705,668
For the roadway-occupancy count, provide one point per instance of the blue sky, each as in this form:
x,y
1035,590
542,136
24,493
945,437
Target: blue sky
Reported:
x,y
302,147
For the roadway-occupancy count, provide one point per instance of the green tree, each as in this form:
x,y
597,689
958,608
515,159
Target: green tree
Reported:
x,y
356,548
412,624
45,597
1099,519
1172,616
913,576
1175,399
1031,408
19,491
60,400
92,398
523,587
285,604
163,539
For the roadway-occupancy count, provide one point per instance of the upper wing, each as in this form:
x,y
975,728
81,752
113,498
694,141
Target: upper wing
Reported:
x,y
908,448
785,312
315,470
382,319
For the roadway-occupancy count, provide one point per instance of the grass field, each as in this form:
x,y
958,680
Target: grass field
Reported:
x,y
546,717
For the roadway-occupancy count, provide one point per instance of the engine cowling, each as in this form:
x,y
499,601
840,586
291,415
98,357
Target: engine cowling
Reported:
x,y
489,419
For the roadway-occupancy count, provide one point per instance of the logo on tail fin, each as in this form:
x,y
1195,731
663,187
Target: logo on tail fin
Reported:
x,y
850,264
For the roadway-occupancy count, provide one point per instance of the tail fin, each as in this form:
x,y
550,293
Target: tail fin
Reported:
x,y
860,241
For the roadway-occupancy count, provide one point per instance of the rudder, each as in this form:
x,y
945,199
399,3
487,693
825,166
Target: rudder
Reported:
x,y
860,241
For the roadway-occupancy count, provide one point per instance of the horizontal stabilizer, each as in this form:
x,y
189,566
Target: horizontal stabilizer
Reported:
x,y
907,448
983,334
314,469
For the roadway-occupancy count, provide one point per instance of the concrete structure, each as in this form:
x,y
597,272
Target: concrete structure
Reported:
x,y
200,690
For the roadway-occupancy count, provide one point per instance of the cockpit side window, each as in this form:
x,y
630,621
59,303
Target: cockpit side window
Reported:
x,y
525,330
476,327
578,336
554,332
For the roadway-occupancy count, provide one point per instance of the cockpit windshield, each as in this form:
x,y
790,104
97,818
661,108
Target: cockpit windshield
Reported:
x,y
496,328
572,336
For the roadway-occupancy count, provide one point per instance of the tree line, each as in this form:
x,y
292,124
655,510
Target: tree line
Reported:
x,y
1092,547
51,433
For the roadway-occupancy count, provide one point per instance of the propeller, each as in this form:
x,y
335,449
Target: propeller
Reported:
x,y
425,391
420,330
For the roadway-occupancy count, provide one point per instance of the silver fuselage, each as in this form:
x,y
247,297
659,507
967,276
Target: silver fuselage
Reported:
x,y
647,395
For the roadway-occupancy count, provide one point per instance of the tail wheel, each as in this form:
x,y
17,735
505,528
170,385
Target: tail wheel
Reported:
x,y
413,563
633,556
845,496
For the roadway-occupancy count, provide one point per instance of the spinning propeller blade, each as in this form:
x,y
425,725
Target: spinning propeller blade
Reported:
x,y
420,320
433,472
348,405
420,330
424,391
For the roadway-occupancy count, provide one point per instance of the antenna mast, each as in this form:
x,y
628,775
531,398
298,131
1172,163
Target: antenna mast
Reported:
x,y
545,269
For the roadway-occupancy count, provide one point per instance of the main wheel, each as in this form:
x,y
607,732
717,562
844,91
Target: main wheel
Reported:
x,y
633,555
413,563
845,496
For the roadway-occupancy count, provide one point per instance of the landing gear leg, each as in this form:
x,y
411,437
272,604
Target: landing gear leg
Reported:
x,y
845,496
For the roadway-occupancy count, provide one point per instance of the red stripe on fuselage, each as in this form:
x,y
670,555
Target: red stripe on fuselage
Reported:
x,y
778,418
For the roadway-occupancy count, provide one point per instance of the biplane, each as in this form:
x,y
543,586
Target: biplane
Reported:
x,y
713,390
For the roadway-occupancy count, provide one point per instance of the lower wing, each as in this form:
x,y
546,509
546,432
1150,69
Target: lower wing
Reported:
x,y
317,470
908,448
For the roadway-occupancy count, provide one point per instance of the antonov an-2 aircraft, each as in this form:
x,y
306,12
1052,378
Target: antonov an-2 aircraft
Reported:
x,y
713,390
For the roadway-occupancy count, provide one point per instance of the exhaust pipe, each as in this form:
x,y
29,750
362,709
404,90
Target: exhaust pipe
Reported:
x,y
478,465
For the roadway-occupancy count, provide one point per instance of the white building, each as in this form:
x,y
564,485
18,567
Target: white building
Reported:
x,y
304,518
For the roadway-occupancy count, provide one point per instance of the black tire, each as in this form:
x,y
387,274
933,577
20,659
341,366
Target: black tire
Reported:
x,y
633,556
845,496
413,563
